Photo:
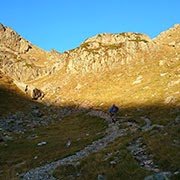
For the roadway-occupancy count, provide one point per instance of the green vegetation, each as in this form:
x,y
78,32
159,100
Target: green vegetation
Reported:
x,y
165,146
28,65
114,162
115,46
140,86
163,143
138,39
84,45
23,153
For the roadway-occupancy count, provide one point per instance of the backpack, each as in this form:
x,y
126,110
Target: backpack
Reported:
x,y
114,109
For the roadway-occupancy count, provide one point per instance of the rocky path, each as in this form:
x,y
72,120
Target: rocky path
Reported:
x,y
137,149
45,172
145,160
113,132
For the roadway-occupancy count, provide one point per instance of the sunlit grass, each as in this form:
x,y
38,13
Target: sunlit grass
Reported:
x,y
117,86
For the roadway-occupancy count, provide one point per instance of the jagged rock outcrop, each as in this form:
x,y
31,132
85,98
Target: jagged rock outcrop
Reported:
x,y
10,39
107,51
170,37
22,60
30,90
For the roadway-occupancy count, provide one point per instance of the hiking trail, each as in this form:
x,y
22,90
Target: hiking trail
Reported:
x,y
113,132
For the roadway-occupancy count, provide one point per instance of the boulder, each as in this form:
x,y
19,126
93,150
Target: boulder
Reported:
x,y
37,94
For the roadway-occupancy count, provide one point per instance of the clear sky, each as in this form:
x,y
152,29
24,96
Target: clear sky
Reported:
x,y
65,24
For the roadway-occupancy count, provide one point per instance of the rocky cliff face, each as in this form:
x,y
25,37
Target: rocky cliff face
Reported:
x,y
23,61
10,39
108,51
171,37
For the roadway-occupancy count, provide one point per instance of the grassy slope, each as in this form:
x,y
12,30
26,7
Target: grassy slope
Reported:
x,y
145,99
165,154
12,99
100,163
117,86
165,146
23,153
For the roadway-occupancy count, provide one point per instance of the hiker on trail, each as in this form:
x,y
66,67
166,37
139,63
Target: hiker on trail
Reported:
x,y
113,111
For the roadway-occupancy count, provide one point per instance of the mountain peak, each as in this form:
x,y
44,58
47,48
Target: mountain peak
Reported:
x,y
114,39
170,36
12,40
99,53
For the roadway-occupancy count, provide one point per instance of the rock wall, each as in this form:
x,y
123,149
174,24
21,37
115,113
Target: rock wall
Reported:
x,y
107,51
170,37
12,40
23,61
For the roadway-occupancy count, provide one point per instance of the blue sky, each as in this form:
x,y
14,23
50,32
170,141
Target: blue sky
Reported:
x,y
65,24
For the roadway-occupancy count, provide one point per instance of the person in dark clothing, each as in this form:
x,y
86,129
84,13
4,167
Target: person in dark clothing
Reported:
x,y
113,111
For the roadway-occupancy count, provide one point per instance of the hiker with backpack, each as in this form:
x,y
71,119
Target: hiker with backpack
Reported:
x,y
113,111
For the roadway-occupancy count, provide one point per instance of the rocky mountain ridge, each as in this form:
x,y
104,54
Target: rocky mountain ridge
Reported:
x,y
139,74
28,64
23,61
107,51
169,37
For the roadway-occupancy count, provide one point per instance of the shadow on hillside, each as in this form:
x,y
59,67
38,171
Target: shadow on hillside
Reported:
x,y
12,102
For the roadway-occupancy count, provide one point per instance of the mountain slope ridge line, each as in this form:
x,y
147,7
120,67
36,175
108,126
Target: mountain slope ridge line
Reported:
x,y
100,53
